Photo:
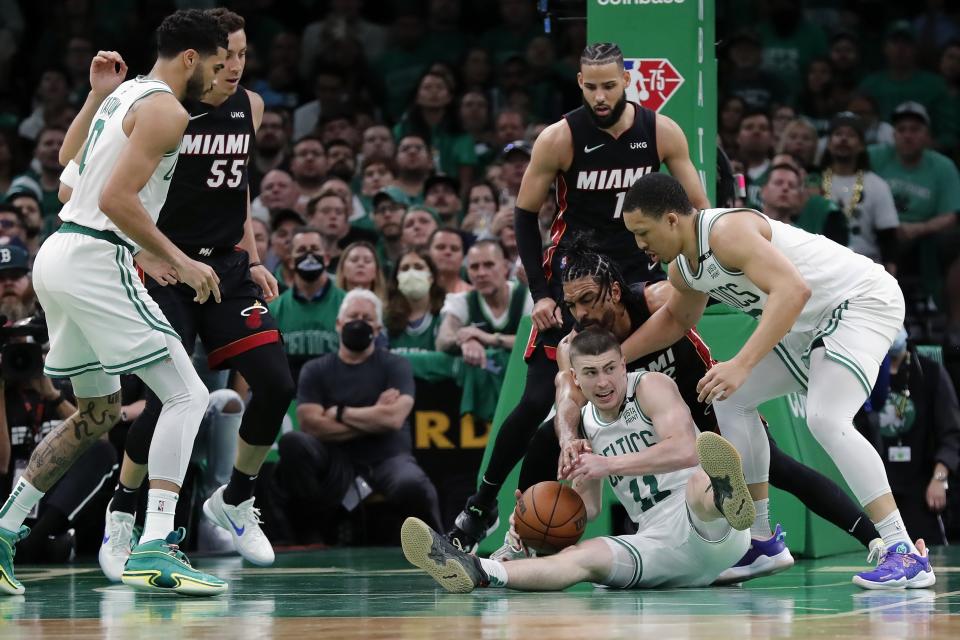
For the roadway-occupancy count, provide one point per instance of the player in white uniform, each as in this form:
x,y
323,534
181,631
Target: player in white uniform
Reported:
x,y
101,320
827,317
692,520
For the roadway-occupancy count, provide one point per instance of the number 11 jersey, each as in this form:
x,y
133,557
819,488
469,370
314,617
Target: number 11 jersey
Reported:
x,y
632,432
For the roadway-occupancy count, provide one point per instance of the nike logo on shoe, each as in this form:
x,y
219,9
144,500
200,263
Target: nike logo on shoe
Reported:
x,y
239,530
106,537
586,149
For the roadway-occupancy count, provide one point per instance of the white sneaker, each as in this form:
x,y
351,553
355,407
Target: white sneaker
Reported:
x,y
117,543
243,524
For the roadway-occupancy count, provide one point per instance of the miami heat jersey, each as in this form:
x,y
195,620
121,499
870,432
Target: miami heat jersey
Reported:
x,y
686,361
207,202
590,193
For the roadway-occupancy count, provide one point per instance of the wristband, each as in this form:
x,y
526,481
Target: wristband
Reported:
x,y
340,409
256,264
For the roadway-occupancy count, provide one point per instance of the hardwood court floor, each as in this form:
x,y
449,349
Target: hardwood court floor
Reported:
x,y
373,593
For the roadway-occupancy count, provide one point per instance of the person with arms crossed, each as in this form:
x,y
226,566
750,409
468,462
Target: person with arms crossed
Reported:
x,y
207,215
827,317
692,517
102,321
594,154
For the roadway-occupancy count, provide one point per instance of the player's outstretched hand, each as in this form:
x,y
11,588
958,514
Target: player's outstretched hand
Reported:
x,y
721,381
201,278
570,451
546,314
105,76
157,268
262,277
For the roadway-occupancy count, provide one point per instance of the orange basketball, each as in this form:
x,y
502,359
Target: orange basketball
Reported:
x,y
549,517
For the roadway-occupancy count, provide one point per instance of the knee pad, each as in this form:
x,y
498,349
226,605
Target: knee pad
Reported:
x,y
221,399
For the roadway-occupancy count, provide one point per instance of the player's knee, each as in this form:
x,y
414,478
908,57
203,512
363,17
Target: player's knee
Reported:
x,y
226,401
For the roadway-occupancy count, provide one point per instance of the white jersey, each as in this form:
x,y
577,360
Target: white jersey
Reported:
x,y
105,141
632,432
833,272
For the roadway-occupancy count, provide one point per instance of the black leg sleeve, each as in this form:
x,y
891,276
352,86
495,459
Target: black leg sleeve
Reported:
x,y
271,385
820,494
540,463
515,432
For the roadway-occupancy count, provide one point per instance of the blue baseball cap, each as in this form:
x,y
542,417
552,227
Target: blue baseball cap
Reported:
x,y
13,257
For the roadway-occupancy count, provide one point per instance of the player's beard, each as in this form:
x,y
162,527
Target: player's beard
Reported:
x,y
195,88
607,121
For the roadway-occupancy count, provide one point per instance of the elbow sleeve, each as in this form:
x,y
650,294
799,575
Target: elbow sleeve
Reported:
x,y
530,248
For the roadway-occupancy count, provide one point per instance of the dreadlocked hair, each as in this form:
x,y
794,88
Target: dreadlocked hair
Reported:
x,y
581,260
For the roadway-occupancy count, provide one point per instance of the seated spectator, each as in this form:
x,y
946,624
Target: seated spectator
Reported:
x,y
412,316
341,159
283,224
780,117
483,201
29,205
277,191
447,252
799,141
11,226
414,165
360,269
785,199
488,316
306,312
376,173
754,149
442,193
353,410
270,150
915,420
308,168
342,188
862,195
515,158
818,100
875,130
46,183
418,223
389,206
328,214
730,114
926,189
377,141
261,237
434,114
846,59
51,105
338,126
474,114
745,78
504,233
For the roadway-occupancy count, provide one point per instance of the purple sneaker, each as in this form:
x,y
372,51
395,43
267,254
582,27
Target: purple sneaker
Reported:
x,y
763,558
898,568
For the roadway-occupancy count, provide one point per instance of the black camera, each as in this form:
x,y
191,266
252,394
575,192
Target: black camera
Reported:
x,y
21,348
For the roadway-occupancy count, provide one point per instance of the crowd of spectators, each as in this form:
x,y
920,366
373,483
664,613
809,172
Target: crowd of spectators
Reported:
x,y
394,140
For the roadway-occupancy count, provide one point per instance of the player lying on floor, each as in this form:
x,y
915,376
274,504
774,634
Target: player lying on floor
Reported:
x,y
693,520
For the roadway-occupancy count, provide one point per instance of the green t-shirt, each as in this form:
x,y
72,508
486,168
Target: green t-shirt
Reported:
x,y
421,338
309,327
453,149
921,192
788,56
813,217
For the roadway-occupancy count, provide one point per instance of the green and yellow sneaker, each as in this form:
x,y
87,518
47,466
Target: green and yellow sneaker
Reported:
x,y
159,565
8,548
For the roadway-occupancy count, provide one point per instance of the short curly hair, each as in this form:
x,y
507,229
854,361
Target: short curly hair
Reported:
x,y
190,29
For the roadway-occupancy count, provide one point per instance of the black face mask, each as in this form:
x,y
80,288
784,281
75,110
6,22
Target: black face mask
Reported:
x,y
310,267
356,335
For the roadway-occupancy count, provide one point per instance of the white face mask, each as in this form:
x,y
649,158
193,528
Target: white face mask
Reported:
x,y
414,283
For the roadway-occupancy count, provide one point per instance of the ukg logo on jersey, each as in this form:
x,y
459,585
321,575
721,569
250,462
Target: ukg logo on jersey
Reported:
x,y
624,3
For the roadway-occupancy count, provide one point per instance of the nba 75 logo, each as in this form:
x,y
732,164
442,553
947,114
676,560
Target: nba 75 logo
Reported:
x,y
652,81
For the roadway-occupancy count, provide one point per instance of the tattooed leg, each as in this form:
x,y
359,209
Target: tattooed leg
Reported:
x,y
70,439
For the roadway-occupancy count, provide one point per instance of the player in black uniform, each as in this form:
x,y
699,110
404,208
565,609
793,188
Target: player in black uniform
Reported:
x,y
593,154
206,214
596,293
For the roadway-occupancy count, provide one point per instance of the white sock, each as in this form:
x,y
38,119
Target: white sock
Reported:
x,y
892,530
761,523
496,571
18,506
161,509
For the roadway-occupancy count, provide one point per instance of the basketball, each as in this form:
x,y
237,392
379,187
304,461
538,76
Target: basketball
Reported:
x,y
549,517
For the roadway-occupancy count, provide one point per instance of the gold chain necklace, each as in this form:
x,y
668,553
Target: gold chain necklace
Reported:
x,y
854,197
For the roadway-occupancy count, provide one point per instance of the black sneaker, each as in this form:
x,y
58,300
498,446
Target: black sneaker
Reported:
x,y
454,570
473,524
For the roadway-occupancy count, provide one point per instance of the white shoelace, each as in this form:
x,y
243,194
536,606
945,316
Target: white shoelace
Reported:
x,y
250,515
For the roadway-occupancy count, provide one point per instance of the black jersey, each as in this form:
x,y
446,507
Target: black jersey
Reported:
x,y
686,361
207,202
590,193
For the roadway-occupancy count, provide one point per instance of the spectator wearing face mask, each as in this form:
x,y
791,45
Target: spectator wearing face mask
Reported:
x,y
414,304
306,312
353,410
